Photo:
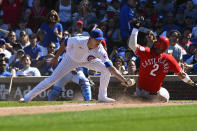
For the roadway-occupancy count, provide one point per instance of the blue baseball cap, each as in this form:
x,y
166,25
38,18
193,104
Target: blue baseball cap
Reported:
x,y
97,34
2,41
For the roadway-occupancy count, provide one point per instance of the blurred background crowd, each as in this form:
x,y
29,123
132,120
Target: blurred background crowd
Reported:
x,y
31,31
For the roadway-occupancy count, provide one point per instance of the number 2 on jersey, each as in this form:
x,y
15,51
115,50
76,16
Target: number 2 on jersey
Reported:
x,y
155,68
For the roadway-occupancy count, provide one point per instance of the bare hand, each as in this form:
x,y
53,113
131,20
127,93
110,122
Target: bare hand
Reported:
x,y
56,32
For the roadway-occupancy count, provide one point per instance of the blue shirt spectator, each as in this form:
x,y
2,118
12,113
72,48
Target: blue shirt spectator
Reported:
x,y
126,14
49,35
33,50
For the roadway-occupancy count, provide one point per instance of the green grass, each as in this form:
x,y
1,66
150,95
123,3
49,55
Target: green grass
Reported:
x,y
160,118
33,103
37,103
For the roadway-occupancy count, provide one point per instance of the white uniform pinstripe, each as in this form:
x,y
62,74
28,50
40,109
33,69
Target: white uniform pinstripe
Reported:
x,y
77,56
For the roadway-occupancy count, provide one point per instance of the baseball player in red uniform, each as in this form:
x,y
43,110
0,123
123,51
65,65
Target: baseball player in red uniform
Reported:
x,y
154,66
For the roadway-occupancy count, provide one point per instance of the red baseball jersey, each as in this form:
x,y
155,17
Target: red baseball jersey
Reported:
x,y
153,68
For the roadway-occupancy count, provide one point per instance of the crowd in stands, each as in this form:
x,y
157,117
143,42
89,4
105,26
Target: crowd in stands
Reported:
x,y
31,31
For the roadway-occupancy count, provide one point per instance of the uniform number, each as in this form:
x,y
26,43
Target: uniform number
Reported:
x,y
155,68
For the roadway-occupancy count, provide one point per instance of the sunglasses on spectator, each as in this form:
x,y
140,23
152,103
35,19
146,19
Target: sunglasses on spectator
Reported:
x,y
175,36
52,15
52,47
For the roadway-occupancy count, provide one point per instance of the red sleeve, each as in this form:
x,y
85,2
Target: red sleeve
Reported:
x,y
174,66
141,50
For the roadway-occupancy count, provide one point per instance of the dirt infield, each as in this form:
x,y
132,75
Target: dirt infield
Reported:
x,y
4,111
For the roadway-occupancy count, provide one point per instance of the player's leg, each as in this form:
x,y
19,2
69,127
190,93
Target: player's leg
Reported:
x,y
98,65
163,95
64,67
84,83
142,93
57,88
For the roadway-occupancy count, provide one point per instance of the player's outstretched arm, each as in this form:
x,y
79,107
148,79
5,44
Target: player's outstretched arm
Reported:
x,y
117,74
132,44
185,78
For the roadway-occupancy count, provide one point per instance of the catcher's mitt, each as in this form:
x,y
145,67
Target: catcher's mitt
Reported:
x,y
129,83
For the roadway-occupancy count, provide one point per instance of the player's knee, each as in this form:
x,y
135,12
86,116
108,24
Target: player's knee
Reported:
x,y
164,95
54,93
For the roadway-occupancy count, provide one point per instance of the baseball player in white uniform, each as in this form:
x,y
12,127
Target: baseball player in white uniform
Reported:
x,y
82,52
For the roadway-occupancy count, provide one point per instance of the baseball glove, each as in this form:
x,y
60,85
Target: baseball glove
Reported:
x,y
130,82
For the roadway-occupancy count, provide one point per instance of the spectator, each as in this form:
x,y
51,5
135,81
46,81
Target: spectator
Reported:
x,y
27,70
65,13
4,50
51,29
190,10
85,14
169,23
185,41
2,58
23,27
180,18
132,62
113,35
79,29
191,51
35,15
3,71
11,12
33,50
43,62
158,30
188,21
150,39
164,6
11,40
24,39
16,60
119,63
174,48
190,65
151,15
126,18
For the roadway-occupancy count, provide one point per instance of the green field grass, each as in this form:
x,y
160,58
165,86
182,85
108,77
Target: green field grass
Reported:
x,y
160,118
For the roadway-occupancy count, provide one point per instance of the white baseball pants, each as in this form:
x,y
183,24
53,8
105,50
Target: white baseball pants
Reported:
x,y
64,67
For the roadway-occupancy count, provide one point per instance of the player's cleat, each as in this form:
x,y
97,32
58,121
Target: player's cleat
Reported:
x,y
106,100
22,100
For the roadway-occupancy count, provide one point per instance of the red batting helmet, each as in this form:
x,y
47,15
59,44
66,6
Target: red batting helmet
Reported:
x,y
162,43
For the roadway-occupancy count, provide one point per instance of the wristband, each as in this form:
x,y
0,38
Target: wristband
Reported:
x,y
186,79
